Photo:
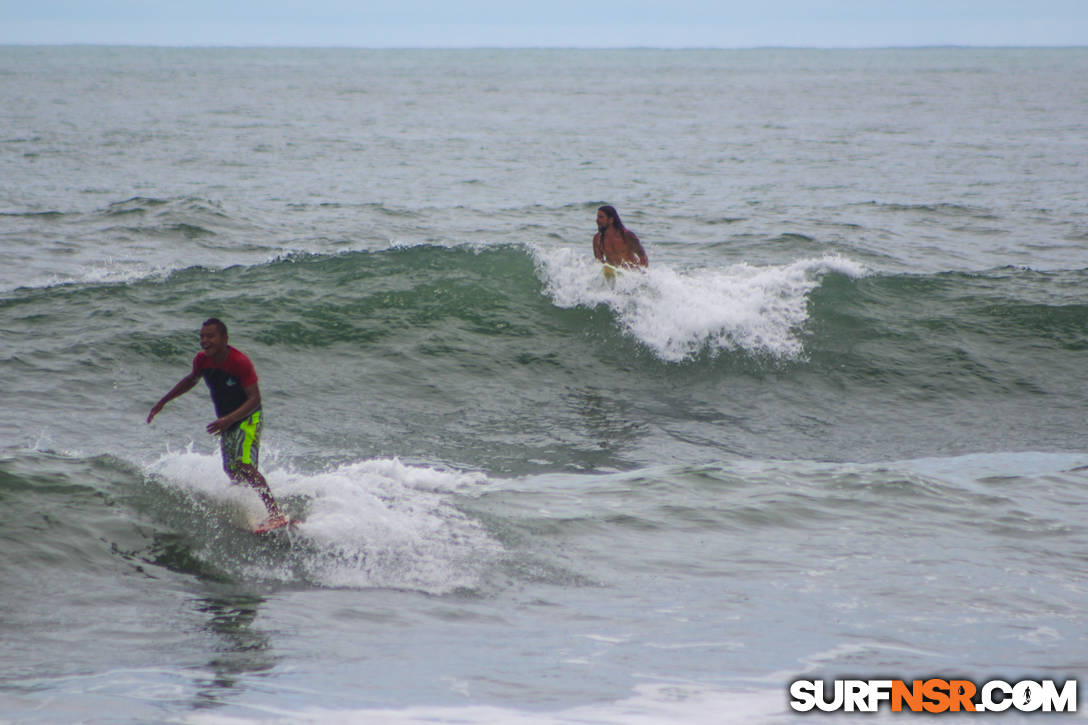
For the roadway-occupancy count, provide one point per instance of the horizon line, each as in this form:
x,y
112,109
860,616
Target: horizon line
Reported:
x,y
279,46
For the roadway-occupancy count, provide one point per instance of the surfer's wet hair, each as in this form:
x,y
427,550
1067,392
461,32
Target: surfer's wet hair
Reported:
x,y
611,213
218,323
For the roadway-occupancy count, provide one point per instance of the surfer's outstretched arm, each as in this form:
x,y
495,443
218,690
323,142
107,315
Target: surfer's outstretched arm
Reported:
x,y
184,386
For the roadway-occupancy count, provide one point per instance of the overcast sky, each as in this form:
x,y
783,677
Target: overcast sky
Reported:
x,y
548,23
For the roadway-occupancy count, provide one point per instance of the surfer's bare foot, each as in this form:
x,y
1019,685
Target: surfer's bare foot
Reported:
x,y
274,520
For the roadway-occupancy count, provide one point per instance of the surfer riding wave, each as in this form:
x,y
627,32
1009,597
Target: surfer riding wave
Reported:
x,y
614,243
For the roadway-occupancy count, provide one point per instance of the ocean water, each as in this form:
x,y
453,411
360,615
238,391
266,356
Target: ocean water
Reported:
x,y
837,429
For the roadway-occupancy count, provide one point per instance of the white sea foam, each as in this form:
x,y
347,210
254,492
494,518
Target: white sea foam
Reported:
x,y
681,313
375,523
30,274
648,704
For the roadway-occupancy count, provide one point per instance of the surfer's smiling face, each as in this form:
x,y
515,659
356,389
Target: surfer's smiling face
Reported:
x,y
212,341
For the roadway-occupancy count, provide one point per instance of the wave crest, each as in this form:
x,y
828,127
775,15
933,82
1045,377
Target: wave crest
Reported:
x,y
680,314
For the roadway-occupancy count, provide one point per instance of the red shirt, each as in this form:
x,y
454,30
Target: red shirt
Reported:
x,y
227,380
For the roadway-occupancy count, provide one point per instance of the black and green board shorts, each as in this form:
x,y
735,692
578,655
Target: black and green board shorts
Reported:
x,y
241,443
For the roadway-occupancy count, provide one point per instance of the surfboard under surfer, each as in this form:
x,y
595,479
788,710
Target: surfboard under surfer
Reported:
x,y
232,380
614,243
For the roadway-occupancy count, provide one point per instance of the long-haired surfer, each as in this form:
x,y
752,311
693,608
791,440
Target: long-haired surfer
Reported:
x,y
232,381
614,243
